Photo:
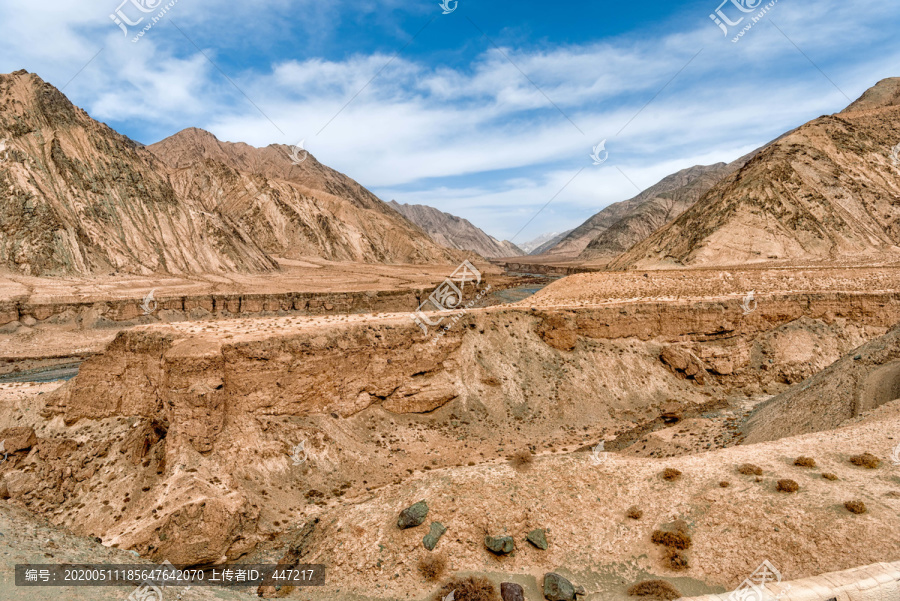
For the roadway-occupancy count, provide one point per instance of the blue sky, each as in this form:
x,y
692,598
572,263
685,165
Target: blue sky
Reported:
x,y
488,112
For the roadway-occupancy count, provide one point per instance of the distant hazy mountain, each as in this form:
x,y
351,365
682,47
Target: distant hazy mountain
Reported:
x,y
455,232
533,247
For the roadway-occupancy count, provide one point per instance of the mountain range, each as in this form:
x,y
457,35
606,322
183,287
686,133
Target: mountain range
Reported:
x,y
824,192
83,199
455,232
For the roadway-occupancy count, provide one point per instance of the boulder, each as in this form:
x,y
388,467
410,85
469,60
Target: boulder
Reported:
x,y
684,362
671,412
17,439
557,588
538,538
500,545
510,591
435,533
413,516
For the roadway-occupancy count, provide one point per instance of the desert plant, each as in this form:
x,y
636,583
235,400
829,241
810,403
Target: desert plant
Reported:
x,y
654,589
829,476
805,462
856,507
675,560
522,459
433,566
787,486
748,469
671,540
867,460
634,513
670,474
471,588
724,484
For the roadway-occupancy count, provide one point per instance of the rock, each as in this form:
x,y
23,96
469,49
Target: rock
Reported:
x,y
510,591
557,588
18,439
4,490
670,412
685,362
435,533
29,321
538,538
580,592
413,516
500,545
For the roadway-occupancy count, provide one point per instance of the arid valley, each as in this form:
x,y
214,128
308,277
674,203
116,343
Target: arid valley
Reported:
x,y
217,354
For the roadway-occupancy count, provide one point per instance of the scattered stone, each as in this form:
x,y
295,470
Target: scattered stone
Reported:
x,y
413,516
557,588
538,538
580,592
435,533
510,591
500,545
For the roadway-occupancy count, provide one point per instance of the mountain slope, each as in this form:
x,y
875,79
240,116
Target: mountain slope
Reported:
x,y
293,210
655,211
456,232
827,191
647,211
78,198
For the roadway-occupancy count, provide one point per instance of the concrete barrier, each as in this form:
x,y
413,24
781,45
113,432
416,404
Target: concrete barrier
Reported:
x,y
876,582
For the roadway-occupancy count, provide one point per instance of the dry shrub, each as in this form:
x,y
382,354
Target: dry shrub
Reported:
x,y
748,469
805,462
855,506
522,459
867,460
675,560
433,566
654,589
634,513
670,474
724,484
285,591
671,540
787,486
829,476
471,588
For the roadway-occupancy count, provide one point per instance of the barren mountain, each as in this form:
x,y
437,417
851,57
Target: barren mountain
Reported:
x,y
827,191
292,209
630,219
77,197
456,232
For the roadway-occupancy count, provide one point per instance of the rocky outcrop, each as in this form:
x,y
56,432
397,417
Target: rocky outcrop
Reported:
x,y
455,232
863,380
